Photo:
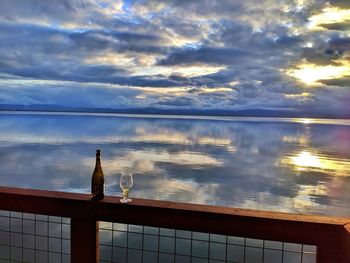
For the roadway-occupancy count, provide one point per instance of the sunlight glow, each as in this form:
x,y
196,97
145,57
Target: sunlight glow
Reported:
x,y
306,159
329,15
305,121
310,162
310,74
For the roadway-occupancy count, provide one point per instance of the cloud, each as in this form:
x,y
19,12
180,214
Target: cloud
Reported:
x,y
203,55
340,4
345,26
340,44
178,101
21,9
343,82
66,93
185,47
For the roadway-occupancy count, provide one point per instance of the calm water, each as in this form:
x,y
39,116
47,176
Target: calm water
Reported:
x,y
298,165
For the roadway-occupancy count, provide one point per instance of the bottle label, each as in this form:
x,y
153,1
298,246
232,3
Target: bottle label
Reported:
x,y
97,191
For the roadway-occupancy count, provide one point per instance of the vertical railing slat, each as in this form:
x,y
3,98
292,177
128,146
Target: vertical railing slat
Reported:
x,y
84,241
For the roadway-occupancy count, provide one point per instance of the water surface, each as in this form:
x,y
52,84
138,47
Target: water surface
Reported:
x,y
293,165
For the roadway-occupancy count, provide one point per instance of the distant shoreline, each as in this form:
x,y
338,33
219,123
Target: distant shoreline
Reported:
x,y
255,113
302,120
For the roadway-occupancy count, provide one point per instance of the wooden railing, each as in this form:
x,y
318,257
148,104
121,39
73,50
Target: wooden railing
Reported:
x,y
330,235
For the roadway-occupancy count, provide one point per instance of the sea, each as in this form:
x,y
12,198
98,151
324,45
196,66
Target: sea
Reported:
x,y
296,165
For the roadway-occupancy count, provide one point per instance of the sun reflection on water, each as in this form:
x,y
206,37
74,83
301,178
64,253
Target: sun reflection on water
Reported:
x,y
308,161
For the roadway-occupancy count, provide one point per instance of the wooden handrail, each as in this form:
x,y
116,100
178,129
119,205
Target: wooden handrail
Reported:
x,y
329,234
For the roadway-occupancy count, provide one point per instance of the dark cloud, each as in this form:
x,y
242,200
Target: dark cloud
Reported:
x,y
54,10
343,82
175,102
210,55
249,91
345,26
322,56
92,74
289,40
340,43
340,3
75,42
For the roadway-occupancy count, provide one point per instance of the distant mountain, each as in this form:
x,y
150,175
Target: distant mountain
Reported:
x,y
211,112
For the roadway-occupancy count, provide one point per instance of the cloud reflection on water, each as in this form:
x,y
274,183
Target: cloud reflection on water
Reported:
x,y
295,167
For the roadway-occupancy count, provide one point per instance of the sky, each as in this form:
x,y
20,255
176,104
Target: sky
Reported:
x,y
291,55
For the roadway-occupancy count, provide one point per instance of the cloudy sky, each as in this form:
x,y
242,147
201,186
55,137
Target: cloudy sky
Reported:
x,y
177,54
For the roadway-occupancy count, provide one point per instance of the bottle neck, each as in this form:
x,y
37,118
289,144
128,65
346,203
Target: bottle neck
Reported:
x,y
98,155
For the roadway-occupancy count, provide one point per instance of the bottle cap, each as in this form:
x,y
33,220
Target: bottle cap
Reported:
x,y
98,151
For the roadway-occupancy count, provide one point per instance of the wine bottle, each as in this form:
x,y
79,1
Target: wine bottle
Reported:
x,y
97,181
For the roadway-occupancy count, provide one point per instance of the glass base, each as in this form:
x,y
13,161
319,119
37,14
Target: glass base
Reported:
x,y
125,200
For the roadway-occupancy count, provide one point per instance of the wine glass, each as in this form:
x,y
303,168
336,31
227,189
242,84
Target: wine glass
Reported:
x,y
126,182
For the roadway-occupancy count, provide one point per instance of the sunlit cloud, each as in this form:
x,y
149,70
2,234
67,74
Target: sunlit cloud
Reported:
x,y
118,59
329,15
111,7
171,91
184,71
301,95
212,90
310,74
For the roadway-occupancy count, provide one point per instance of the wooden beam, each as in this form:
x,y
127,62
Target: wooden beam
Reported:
x,y
328,233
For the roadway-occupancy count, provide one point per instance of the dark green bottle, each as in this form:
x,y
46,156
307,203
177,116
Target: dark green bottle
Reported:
x,y
97,181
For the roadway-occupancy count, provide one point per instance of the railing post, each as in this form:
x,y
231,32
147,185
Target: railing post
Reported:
x,y
336,247
346,244
84,241
328,254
